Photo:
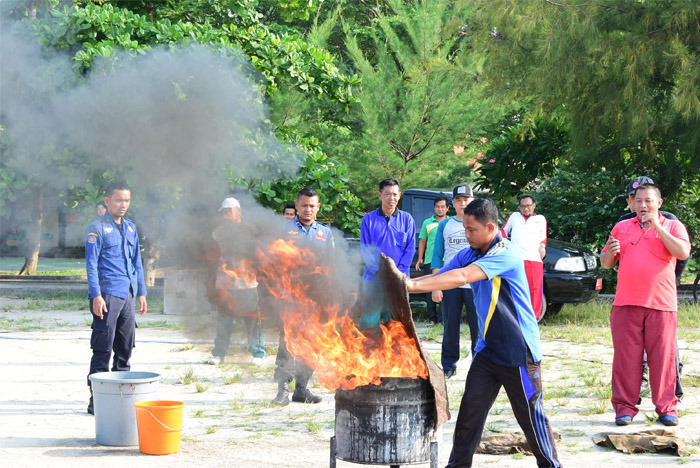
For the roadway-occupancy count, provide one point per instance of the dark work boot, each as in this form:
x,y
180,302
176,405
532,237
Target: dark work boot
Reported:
x,y
282,398
303,395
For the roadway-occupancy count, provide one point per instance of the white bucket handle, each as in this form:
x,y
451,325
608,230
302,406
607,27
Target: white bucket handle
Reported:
x,y
128,395
159,422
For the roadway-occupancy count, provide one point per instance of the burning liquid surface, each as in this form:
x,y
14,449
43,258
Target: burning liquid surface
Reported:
x,y
318,327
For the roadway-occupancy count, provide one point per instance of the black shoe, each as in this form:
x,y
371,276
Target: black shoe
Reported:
x,y
450,373
91,407
304,395
282,398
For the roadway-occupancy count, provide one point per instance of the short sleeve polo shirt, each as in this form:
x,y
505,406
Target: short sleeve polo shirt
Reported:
x,y
646,276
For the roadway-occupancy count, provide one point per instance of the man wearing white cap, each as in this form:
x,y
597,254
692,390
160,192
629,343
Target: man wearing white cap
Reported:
x,y
232,286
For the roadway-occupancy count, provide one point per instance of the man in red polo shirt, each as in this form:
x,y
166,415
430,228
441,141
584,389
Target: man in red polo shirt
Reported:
x,y
644,314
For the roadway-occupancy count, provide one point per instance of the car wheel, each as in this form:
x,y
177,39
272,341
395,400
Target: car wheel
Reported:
x,y
554,308
545,307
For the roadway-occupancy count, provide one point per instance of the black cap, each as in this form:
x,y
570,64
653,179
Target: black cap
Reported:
x,y
636,182
462,191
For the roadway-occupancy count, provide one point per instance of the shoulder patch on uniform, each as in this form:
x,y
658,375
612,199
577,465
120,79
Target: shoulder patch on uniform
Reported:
x,y
91,239
92,234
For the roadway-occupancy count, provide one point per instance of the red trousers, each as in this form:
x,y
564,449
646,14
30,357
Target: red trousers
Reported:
x,y
534,272
635,329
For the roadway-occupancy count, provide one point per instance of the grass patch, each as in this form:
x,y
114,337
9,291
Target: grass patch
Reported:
x,y
596,313
188,376
232,379
176,326
313,427
598,407
573,432
212,429
201,388
433,333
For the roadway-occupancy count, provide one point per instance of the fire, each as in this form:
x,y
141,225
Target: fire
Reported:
x,y
244,272
319,330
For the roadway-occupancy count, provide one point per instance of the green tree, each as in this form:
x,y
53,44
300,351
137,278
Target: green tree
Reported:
x,y
416,100
99,29
624,74
522,156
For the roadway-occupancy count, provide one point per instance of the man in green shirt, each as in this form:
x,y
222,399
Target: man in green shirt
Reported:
x,y
426,241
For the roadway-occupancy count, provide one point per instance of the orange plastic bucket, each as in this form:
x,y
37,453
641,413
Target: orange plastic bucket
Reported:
x,y
159,424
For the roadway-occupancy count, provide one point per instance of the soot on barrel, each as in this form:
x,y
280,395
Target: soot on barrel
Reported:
x,y
385,424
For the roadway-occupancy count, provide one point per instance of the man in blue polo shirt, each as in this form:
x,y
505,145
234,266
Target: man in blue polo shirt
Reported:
x,y
307,232
508,352
389,231
115,276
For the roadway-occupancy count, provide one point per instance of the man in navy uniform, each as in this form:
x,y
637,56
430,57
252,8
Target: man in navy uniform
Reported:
x,y
115,277
307,232
508,352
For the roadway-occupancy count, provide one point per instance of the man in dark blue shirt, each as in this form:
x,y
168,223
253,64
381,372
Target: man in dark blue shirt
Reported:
x,y
308,233
508,351
115,276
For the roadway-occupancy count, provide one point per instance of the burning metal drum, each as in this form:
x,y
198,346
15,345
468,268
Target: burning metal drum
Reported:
x,y
389,424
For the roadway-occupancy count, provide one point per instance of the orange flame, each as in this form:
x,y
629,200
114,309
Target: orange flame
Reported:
x,y
320,331
244,272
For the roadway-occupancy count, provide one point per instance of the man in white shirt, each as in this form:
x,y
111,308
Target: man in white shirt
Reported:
x,y
528,232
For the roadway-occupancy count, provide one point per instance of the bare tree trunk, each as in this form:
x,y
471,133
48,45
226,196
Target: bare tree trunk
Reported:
x,y
150,257
31,258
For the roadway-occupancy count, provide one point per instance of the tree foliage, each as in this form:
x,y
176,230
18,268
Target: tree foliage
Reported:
x,y
522,156
416,101
624,74
102,30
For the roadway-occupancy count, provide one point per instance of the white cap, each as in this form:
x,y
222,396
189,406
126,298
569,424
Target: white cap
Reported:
x,y
229,203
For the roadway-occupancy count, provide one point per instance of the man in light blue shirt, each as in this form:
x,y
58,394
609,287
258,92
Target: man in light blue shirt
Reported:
x,y
508,352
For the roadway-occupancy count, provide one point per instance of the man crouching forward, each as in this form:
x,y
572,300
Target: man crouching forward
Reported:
x,y
508,351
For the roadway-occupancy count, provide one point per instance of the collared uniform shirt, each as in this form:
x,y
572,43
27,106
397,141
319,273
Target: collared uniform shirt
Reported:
x,y
646,275
394,236
450,239
113,258
527,234
316,235
507,324
427,232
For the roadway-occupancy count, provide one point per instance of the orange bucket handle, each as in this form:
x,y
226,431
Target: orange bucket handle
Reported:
x,y
161,423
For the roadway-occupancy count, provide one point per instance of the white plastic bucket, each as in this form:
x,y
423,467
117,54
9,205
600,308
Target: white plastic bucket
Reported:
x,y
114,395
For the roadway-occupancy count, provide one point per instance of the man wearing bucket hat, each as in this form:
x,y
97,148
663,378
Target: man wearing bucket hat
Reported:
x,y
232,287
115,277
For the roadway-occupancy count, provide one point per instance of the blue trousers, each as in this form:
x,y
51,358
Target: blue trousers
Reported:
x,y
115,332
453,301
224,329
434,315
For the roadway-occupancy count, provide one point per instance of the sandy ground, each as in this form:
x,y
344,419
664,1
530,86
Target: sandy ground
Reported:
x,y
43,400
